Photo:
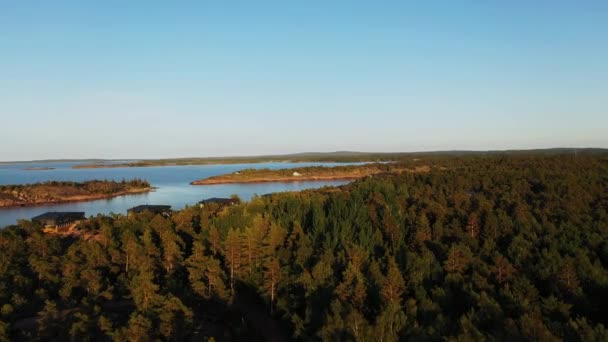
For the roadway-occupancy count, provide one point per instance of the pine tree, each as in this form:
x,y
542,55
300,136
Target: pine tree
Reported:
x,y
358,326
49,321
215,241
196,265
458,259
275,239
92,281
205,273
490,229
503,270
81,327
423,229
253,240
175,319
232,253
149,244
139,329
352,289
143,288
272,277
172,252
567,277
473,226
389,323
214,275
393,284
130,248
107,235
391,229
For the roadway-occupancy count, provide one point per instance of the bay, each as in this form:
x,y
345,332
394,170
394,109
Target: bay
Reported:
x,y
172,185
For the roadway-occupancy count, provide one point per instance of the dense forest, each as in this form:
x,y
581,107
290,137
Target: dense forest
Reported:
x,y
480,247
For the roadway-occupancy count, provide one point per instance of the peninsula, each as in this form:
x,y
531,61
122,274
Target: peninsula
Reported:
x,y
60,192
307,174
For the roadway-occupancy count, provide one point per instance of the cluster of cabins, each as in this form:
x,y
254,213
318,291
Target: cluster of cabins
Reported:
x,y
67,220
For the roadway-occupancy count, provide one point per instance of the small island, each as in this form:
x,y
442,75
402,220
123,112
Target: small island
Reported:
x,y
38,168
307,174
53,192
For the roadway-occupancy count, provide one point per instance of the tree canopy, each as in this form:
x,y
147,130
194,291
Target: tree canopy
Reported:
x,y
479,247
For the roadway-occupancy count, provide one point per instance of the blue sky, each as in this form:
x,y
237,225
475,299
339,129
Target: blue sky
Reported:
x,y
150,79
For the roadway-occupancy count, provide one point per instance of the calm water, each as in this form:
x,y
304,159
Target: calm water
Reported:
x,y
172,183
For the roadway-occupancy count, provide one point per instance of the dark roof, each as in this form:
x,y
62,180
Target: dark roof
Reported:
x,y
151,208
59,215
218,200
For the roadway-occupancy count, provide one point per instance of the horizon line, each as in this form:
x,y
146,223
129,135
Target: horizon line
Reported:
x,y
47,160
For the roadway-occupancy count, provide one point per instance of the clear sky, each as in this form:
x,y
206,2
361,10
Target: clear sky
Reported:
x,y
148,79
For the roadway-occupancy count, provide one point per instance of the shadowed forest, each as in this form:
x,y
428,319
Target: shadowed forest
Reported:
x,y
509,247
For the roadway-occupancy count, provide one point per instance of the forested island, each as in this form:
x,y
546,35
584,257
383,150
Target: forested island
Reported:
x,y
482,248
60,192
311,173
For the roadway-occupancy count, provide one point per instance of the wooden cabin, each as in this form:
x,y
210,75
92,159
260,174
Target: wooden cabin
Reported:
x,y
57,220
219,201
155,209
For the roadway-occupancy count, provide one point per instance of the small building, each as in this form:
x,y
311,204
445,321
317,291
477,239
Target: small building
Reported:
x,y
296,174
155,209
56,219
219,201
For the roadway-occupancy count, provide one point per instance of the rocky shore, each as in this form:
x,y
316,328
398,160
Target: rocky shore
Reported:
x,y
62,192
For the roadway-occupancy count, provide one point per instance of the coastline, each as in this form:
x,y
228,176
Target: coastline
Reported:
x,y
212,181
78,198
219,162
309,174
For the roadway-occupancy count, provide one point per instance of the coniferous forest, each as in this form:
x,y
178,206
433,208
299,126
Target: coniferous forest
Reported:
x,y
502,247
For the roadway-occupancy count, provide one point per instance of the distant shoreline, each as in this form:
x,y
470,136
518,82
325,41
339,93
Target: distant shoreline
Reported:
x,y
321,157
161,164
221,162
38,168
